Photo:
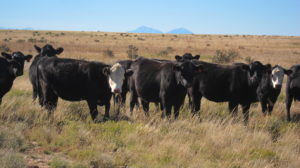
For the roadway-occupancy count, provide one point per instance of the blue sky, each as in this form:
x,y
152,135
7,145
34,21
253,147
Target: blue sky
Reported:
x,y
257,17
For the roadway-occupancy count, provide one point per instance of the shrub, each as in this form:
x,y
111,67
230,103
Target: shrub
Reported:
x,y
132,52
249,60
31,40
223,56
108,53
20,41
58,163
4,48
9,159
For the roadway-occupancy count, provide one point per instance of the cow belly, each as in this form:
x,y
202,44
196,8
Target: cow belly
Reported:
x,y
216,95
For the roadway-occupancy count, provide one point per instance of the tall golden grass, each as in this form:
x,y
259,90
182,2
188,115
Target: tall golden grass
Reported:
x,y
71,139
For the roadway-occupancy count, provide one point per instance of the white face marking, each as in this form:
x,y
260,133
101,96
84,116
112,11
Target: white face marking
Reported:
x,y
116,77
277,76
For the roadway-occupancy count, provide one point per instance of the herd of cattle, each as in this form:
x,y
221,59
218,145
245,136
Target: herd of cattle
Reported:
x,y
163,82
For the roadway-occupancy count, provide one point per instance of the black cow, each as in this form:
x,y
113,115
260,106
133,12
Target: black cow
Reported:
x,y
11,66
76,80
270,87
292,88
46,51
161,82
235,84
186,56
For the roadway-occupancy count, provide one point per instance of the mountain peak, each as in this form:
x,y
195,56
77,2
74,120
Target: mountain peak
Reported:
x,y
180,31
145,29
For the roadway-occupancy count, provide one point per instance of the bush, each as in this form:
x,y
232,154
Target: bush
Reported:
x,y
223,56
4,48
58,163
108,53
249,60
132,52
9,159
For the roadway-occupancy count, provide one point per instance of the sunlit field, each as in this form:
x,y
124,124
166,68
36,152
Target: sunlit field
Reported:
x,y
72,139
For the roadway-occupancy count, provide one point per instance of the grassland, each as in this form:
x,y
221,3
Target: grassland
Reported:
x,y
28,138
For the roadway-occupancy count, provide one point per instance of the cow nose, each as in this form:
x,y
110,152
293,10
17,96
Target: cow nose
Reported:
x,y
277,86
117,90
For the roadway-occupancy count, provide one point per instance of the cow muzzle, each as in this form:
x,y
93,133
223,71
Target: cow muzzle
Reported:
x,y
117,90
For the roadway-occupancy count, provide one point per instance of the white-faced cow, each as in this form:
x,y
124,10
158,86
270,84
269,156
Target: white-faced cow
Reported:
x,y
11,66
76,80
270,87
46,51
161,82
292,88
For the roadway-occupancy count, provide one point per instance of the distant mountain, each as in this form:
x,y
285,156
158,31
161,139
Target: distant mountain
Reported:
x,y
180,31
9,28
145,29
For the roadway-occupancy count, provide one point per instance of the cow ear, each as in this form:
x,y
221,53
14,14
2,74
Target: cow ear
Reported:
x,y
245,67
28,58
59,50
199,68
178,58
6,55
268,68
196,57
106,71
128,72
288,72
37,48
177,67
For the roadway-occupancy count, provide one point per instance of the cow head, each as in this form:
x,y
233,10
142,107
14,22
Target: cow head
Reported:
x,y
185,72
48,50
257,69
16,61
186,57
278,75
116,76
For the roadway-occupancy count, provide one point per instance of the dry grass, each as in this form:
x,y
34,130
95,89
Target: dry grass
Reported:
x,y
71,139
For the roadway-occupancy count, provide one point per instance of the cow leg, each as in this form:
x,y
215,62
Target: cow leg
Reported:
x,y
123,98
157,107
176,110
49,100
190,94
246,108
270,108
196,103
106,114
288,103
133,101
233,108
263,104
145,105
93,109
166,105
34,93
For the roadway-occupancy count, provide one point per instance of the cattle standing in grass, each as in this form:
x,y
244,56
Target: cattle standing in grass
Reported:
x,y
76,80
292,88
46,51
161,82
235,84
121,98
187,57
11,66
270,87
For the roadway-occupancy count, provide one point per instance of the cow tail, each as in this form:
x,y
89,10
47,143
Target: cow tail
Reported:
x,y
38,86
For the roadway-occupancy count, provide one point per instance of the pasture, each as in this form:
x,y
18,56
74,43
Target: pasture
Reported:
x,y
71,139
